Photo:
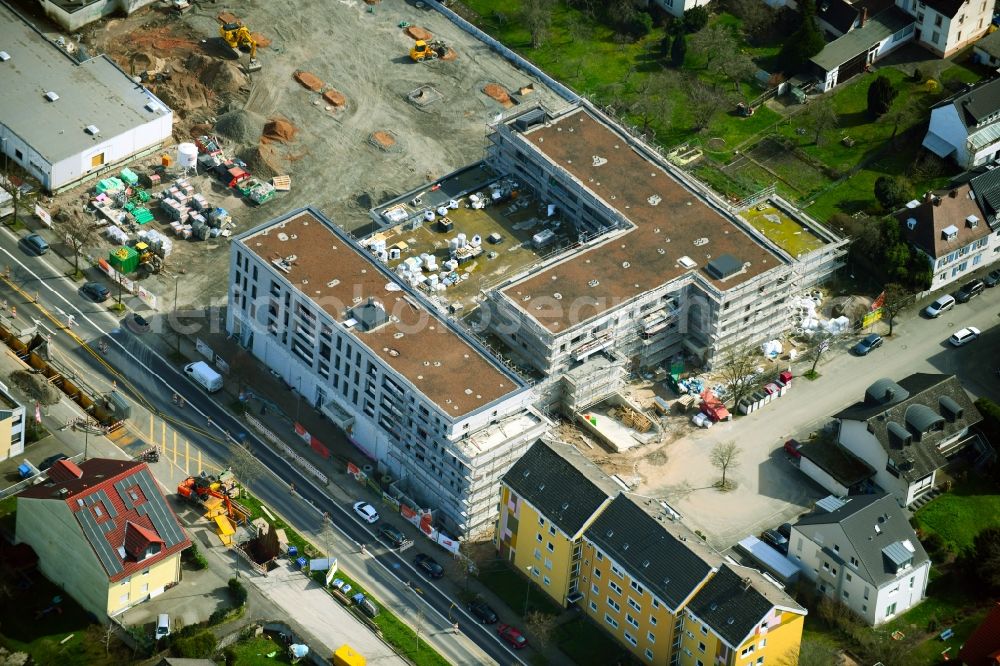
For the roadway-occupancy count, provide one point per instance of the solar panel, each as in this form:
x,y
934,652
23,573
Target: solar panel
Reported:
x,y
108,504
157,510
122,486
112,564
898,554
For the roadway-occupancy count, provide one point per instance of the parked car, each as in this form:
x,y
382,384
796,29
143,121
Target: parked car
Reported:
x,y
36,244
137,323
964,336
792,447
785,530
969,291
992,279
366,511
95,291
776,539
428,566
512,636
52,460
392,535
868,343
480,610
942,304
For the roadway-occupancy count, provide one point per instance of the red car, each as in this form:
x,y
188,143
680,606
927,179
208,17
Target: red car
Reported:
x,y
512,636
792,447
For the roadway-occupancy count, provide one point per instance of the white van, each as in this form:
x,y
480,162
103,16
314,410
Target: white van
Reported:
x,y
162,626
203,373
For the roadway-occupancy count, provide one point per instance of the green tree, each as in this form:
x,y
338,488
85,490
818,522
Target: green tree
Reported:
x,y
804,43
238,592
881,93
892,191
985,563
678,51
695,19
665,45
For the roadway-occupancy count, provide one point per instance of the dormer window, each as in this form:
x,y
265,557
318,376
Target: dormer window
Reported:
x,y
949,233
972,221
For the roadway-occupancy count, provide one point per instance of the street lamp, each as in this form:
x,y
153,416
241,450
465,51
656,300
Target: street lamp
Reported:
x,y
527,590
177,332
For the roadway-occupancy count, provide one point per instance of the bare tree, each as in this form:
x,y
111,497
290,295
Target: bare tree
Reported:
x,y
819,344
705,101
895,298
79,231
821,117
652,102
713,43
470,558
739,372
537,16
901,115
724,458
737,66
540,625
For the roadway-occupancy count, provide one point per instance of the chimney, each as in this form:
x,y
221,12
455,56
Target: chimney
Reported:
x,y
864,17
953,194
928,197
746,584
937,201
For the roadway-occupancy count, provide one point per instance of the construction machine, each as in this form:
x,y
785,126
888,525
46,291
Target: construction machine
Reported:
x,y
149,261
238,37
198,490
428,50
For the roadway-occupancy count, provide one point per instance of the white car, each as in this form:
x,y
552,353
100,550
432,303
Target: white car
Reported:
x,y
942,304
366,511
963,336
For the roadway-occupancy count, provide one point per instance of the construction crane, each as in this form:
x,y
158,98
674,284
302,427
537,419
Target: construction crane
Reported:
x,y
238,37
428,50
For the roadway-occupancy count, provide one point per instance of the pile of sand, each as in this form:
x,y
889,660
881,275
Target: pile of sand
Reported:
x,y
497,92
449,55
308,80
263,162
418,33
278,130
143,62
240,126
335,98
262,41
229,17
224,77
184,93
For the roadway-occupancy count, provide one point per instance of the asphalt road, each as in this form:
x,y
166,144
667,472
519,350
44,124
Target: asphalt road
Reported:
x,y
150,381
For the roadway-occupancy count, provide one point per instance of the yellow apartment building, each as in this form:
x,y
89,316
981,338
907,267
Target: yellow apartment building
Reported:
x,y
547,500
104,532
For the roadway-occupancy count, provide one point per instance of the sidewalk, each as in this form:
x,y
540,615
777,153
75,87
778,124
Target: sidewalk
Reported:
x,y
281,405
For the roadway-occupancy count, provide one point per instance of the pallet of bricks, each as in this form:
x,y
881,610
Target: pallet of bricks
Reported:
x,y
191,215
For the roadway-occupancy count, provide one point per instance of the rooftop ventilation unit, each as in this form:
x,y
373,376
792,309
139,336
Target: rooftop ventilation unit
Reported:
x,y
93,130
4,56
687,262
51,96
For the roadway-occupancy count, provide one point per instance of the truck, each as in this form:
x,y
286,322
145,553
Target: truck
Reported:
x,y
345,655
203,373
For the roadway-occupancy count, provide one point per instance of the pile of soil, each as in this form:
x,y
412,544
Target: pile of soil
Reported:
x,y
308,80
384,140
263,162
184,93
240,126
450,55
278,130
143,62
36,386
418,33
224,77
262,41
497,92
335,98
229,17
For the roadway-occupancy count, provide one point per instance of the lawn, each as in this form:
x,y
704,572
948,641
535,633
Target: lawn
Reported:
x,y
960,514
586,643
8,514
254,651
513,589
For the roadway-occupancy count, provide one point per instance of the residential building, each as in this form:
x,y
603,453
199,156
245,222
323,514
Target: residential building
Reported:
x,y
678,7
670,599
854,51
948,229
836,469
945,26
862,552
661,265
906,431
103,532
987,50
547,500
982,648
412,390
65,121
11,425
966,126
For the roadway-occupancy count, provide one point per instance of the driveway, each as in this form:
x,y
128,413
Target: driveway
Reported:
x,y
770,489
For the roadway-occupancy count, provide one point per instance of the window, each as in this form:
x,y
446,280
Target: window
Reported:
x,y
145,588
548,564
854,561
614,604
890,610
538,554
18,154
541,521
698,662
650,636
615,587
911,581
746,651
701,647
538,537
760,660
848,577
847,594
763,642
600,556
631,620
836,548
552,530
656,604
864,608
635,605
866,593
545,580
593,606
635,586
597,573
704,630
550,547
594,588
649,653
652,620
937,22
616,571
935,36
631,639
610,620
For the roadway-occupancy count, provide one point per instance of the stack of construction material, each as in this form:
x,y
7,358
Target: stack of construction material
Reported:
x,y
199,203
116,234
261,193
177,211
110,186
219,217
128,176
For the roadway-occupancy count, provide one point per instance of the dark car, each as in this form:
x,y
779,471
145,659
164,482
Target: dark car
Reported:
x,y
36,244
868,343
776,539
512,636
428,566
95,291
52,460
482,611
969,291
391,535
992,279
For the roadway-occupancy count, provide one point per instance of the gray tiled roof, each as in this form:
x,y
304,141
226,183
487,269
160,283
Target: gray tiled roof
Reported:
x,y
561,483
884,24
660,553
855,524
976,103
737,600
910,409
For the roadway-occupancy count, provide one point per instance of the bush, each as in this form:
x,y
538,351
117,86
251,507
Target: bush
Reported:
x,y
881,94
218,616
194,557
641,25
934,545
239,592
892,191
199,646
695,19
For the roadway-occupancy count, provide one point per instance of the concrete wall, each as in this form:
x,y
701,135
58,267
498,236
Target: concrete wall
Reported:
x,y
65,556
810,469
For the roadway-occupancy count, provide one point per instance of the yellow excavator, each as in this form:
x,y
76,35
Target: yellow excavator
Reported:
x,y
428,50
238,37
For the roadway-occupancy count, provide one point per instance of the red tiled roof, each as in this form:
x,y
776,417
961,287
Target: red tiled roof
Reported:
x,y
64,470
982,648
133,529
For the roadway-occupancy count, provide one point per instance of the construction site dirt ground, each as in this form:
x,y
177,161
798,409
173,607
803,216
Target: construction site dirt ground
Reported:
x,y
355,49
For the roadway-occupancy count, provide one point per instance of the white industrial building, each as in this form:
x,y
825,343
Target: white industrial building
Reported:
x,y
64,121
414,392
72,15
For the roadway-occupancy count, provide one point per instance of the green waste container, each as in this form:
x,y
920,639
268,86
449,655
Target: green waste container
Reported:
x,y
124,259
